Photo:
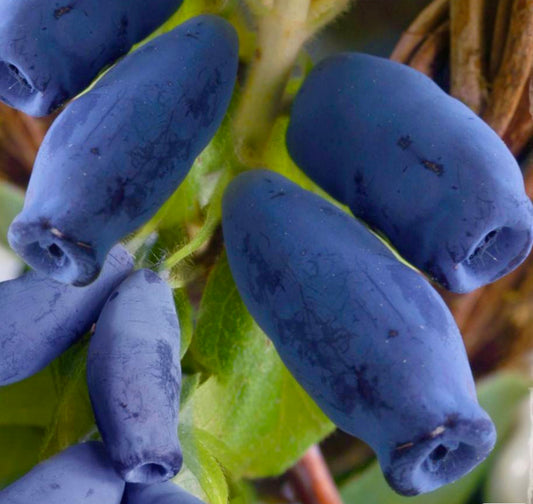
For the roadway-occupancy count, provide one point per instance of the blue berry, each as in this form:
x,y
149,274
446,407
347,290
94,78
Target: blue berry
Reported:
x,y
161,493
41,318
82,474
134,379
415,164
116,154
52,50
366,336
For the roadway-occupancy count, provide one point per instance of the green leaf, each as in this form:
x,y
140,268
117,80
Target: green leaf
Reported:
x,y
11,202
20,451
189,384
73,419
277,158
264,418
242,492
185,316
202,474
31,402
499,396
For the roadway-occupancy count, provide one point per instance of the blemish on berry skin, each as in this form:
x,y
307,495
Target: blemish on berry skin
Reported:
x,y
404,142
432,166
57,233
393,333
61,11
405,446
279,194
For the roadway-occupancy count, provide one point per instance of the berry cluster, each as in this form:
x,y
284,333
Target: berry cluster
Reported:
x,y
366,335
108,163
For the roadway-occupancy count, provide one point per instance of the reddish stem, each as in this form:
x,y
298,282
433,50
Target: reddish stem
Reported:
x,y
520,131
311,480
430,54
501,27
515,68
466,56
425,23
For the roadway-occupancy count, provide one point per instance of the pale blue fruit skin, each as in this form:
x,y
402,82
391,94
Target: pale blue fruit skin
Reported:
x,y
41,318
134,379
82,474
416,164
366,336
161,493
59,47
118,152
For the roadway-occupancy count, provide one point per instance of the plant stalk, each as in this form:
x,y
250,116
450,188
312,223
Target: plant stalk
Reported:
x,y
466,59
281,33
312,481
514,70
425,23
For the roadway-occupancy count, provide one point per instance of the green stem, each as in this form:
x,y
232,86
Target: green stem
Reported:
x,y
212,220
323,12
281,34
283,28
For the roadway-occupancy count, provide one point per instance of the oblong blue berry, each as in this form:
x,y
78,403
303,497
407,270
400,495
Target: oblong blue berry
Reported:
x,y
82,474
41,318
416,164
116,154
367,337
51,50
160,493
134,379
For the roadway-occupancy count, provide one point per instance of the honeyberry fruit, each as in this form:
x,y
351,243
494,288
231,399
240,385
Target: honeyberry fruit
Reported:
x,y
365,335
41,318
82,474
51,50
134,379
160,493
117,153
415,164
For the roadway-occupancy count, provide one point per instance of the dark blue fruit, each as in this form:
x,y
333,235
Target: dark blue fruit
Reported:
x,y
51,50
134,378
41,318
161,493
366,336
117,153
82,474
416,164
